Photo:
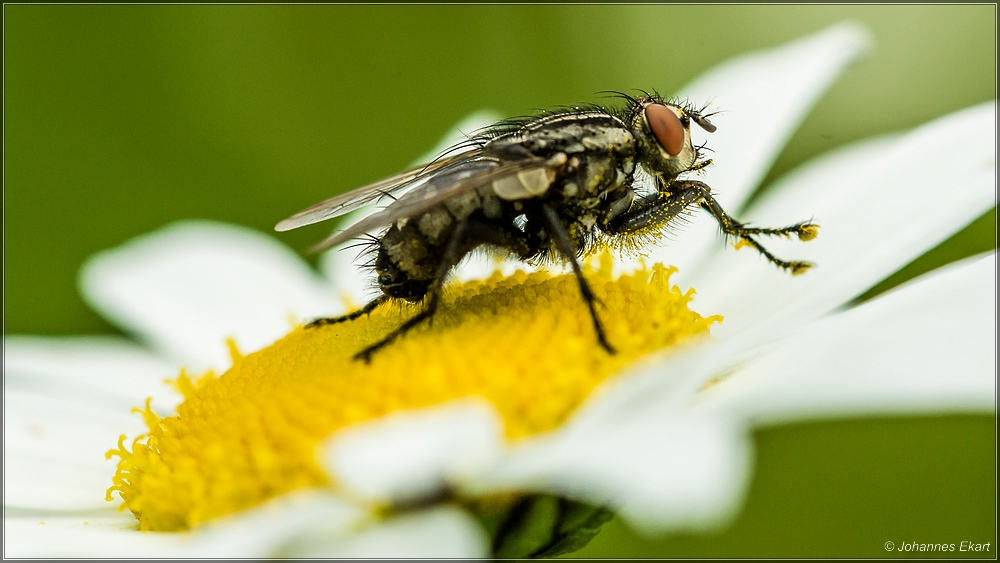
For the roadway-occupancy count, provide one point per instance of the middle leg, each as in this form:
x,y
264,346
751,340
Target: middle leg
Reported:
x,y
565,247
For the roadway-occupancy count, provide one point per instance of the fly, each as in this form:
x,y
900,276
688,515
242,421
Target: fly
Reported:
x,y
549,186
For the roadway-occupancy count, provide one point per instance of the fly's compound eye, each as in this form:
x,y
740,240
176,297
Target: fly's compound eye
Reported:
x,y
667,128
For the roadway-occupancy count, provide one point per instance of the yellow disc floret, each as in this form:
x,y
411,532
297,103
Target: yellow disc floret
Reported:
x,y
525,343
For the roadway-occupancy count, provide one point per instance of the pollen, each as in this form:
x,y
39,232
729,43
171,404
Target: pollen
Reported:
x,y
525,343
808,232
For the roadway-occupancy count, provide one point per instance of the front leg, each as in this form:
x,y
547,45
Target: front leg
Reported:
x,y
657,210
654,211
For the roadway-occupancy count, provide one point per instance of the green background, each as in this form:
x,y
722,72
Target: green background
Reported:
x,y
121,119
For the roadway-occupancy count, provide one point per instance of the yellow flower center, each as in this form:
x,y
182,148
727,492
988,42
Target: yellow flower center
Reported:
x,y
525,343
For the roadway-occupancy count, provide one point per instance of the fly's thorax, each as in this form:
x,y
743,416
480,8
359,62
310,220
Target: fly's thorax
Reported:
x,y
616,202
573,133
587,154
581,227
588,178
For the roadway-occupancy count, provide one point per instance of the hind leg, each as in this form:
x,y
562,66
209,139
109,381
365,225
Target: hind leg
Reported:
x,y
349,316
450,258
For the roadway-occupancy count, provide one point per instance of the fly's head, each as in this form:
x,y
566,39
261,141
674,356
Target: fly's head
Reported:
x,y
663,131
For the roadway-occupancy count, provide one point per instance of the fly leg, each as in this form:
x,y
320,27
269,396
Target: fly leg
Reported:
x,y
451,257
565,247
806,231
349,316
657,210
654,211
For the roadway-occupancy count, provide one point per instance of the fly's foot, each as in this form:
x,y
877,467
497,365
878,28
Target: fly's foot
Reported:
x,y
807,231
364,356
797,268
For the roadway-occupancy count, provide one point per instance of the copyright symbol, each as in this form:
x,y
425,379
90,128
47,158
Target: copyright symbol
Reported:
x,y
889,545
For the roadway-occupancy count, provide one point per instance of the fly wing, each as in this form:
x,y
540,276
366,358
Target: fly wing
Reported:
x,y
354,199
455,181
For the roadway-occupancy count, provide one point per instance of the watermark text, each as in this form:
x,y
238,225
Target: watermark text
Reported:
x,y
958,547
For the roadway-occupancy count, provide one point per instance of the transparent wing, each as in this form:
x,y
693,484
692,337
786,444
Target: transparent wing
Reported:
x,y
354,199
454,181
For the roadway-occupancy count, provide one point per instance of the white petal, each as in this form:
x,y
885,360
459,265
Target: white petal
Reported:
x,y
412,454
478,266
264,531
928,346
800,192
189,286
659,470
763,96
443,532
92,536
41,482
100,371
54,451
66,401
880,206
276,526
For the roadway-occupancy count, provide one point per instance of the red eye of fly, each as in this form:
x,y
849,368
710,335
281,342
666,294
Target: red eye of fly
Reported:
x,y
666,127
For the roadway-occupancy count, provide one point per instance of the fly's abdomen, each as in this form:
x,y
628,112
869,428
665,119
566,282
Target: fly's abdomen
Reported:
x,y
411,252
406,261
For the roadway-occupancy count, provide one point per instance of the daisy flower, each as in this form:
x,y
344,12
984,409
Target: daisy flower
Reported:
x,y
503,429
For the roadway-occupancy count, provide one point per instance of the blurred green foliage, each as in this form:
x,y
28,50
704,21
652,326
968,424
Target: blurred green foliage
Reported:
x,y
121,119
